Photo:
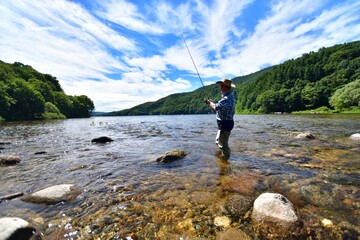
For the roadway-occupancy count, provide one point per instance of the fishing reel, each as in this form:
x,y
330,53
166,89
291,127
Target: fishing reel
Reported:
x,y
206,101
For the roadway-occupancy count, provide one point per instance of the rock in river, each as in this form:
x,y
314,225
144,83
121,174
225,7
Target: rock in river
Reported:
x,y
237,205
306,135
355,136
274,207
9,160
102,140
172,156
15,228
54,194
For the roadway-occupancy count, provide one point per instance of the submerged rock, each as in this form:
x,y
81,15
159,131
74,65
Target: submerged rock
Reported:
x,y
16,228
305,135
172,156
236,206
274,207
54,194
102,140
222,221
232,233
355,136
9,160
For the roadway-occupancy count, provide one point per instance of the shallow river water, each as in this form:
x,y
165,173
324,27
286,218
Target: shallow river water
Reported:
x,y
128,195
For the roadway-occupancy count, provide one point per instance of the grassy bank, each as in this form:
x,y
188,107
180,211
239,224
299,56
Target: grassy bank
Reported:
x,y
325,110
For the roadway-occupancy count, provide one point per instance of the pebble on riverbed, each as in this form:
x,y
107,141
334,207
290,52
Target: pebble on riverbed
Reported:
x,y
222,221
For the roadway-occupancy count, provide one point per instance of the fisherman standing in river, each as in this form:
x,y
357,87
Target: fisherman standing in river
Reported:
x,y
225,110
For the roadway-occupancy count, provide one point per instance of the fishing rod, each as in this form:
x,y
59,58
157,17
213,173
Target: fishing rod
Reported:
x,y
192,59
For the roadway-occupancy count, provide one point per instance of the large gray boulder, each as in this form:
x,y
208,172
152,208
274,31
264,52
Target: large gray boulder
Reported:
x,y
54,194
274,207
16,228
9,160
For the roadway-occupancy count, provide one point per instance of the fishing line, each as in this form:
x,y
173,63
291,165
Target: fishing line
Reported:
x,y
181,34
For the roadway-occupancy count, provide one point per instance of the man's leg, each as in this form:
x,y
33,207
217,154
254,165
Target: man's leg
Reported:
x,y
222,140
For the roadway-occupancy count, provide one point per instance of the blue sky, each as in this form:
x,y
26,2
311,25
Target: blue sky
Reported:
x,y
122,53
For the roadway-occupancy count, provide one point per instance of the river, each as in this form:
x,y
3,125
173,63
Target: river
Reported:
x,y
127,194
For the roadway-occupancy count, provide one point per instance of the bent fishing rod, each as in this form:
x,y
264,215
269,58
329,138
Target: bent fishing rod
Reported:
x,y
192,59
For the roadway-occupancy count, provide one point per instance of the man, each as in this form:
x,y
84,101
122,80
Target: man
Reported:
x,y
225,110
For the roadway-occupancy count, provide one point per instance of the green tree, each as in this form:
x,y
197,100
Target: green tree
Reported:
x,y
347,96
52,112
64,103
5,100
28,103
82,106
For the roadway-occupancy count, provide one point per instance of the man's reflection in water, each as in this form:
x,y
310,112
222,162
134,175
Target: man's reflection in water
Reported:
x,y
224,165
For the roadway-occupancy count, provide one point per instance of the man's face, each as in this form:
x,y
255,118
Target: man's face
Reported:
x,y
224,89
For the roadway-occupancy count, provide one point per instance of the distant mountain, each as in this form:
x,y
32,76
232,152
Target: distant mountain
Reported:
x,y
313,80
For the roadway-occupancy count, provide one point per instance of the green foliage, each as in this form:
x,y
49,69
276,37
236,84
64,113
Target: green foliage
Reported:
x,y
26,94
52,112
28,104
347,96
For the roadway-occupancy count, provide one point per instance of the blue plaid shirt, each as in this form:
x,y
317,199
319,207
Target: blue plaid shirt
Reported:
x,y
225,108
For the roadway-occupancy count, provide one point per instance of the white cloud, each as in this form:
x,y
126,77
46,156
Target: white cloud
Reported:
x,y
288,33
127,14
61,38
219,21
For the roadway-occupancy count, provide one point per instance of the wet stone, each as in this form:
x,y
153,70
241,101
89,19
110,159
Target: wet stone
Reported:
x,y
16,228
222,221
54,194
9,160
102,140
172,156
237,205
274,207
305,135
355,136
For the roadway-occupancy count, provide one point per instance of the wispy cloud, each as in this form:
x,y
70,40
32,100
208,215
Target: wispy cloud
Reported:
x,y
122,53
292,29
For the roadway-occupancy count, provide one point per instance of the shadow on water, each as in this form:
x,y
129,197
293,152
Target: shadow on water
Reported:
x,y
127,194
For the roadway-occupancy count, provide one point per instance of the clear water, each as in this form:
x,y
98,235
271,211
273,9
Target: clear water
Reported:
x,y
127,194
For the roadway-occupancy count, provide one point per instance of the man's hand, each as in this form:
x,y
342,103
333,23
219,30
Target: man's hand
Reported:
x,y
207,101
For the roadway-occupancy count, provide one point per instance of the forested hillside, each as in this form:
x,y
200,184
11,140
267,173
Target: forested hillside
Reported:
x,y
26,94
328,78
317,79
